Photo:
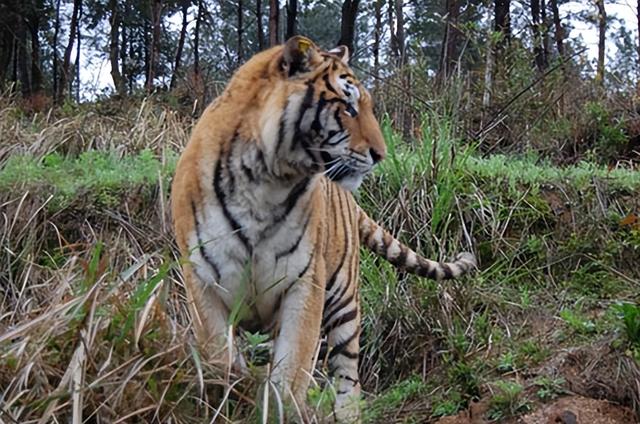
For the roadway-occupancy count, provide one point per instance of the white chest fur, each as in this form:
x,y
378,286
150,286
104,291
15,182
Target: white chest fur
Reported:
x,y
253,247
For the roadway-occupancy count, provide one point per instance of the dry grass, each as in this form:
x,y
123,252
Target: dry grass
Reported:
x,y
115,125
93,321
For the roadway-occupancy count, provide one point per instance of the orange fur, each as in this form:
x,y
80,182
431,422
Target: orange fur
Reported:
x,y
262,227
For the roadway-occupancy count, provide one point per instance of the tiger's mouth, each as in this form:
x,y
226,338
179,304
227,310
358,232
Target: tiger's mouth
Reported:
x,y
345,166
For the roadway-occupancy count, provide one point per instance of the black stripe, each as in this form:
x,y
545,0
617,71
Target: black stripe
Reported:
x,y
324,349
281,127
201,248
401,259
342,319
330,135
316,125
297,242
334,276
289,203
448,273
340,348
307,102
335,297
301,274
306,145
346,377
325,78
336,116
296,192
425,270
247,171
221,195
351,111
337,309
338,141
231,180
260,159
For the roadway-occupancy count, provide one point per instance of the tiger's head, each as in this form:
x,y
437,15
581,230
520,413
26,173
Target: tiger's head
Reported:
x,y
324,122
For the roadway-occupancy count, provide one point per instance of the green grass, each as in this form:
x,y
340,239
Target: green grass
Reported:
x,y
102,176
438,153
555,276
527,171
507,400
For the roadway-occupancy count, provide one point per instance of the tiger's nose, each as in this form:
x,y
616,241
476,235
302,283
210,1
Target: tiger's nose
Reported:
x,y
376,155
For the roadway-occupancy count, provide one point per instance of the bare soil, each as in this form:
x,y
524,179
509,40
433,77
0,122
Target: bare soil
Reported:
x,y
601,387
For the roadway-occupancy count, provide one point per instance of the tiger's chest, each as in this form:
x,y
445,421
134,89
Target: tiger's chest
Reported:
x,y
252,255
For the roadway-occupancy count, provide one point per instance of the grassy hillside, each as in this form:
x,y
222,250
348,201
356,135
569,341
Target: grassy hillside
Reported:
x,y
93,321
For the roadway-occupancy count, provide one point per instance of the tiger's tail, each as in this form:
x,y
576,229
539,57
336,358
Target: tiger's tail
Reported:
x,y
379,241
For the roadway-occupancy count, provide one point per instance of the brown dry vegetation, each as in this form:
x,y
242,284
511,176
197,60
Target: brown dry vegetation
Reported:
x,y
93,323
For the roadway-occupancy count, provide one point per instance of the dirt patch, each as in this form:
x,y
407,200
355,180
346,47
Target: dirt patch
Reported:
x,y
475,414
602,385
579,410
598,371
567,410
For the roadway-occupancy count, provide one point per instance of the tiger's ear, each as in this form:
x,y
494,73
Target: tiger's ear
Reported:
x,y
300,54
342,52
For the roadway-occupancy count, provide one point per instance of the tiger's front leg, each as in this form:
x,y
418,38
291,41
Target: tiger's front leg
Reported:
x,y
299,333
210,320
341,323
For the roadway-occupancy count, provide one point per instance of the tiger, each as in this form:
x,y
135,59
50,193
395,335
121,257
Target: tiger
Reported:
x,y
265,218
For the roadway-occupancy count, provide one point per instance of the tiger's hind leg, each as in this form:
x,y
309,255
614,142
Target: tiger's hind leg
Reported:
x,y
342,325
210,319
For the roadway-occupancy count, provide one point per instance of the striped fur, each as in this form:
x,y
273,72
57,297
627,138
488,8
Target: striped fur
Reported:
x,y
264,215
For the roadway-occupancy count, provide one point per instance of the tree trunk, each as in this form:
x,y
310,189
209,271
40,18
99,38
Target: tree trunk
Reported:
x,y
393,41
559,31
183,35
36,70
196,39
125,73
65,75
449,52
638,15
347,27
396,39
536,27
274,13
400,31
6,51
154,48
602,32
54,47
260,28
544,30
15,53
240,31
76,76
8,46
376,41
114,48
292,13
502,21
489,71
23,63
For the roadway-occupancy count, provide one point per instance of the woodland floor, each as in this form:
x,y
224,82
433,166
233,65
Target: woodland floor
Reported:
x,y
93,322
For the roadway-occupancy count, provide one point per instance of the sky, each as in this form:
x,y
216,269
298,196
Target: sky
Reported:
x,y
95,74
